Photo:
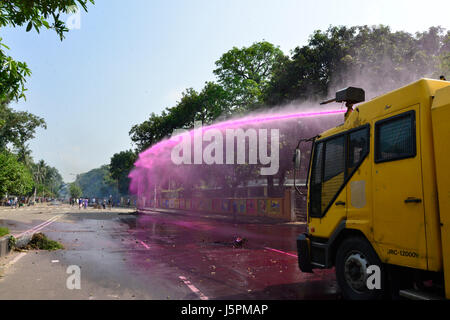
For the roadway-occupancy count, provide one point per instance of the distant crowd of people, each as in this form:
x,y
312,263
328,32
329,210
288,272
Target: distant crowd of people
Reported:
x,y
84,203
13,203
16,202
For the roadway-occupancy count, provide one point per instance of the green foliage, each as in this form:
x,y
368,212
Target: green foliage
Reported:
x,y
3,231
12,76
12,241
75,191
15,178
53,180
120,166
35,14
96,184
18,128
373,57
39,241
48,180
38,14
444,57
18,179
205,106
245,73
261,76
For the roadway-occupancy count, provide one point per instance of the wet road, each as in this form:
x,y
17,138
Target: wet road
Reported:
x,y
164,256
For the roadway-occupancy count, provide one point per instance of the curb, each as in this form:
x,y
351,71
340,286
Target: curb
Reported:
x,y
21,242
218,216
4,246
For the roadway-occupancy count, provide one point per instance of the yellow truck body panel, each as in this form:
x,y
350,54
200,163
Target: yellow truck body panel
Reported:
x,y
441,131
395,203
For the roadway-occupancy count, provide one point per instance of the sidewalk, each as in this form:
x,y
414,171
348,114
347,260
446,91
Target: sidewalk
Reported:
x,y
237,219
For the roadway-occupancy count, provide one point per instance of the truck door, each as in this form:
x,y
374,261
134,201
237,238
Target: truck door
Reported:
x,y
398,211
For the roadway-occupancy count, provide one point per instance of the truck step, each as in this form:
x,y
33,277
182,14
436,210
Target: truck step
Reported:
x,y
419,295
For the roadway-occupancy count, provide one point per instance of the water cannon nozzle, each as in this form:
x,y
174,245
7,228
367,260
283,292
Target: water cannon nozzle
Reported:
x,y
350,96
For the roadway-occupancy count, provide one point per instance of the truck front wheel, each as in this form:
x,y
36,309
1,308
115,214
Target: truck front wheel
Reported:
x,y
354,256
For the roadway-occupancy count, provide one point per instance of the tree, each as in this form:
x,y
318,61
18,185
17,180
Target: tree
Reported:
x,y
75,191
444,58
12,76
244,73
35,14
214,103
372,57
15,178
205,106
53,181
309,72
149,132
48,180
248,78
120,167
24,155
39,173
18,128
97,184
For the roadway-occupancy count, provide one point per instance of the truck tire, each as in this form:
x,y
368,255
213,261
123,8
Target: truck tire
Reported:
x,y
353,257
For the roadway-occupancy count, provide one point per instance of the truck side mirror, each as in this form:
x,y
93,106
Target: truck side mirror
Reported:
x,y
298,159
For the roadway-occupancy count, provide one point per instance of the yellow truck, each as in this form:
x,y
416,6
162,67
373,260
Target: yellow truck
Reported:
x,y
379,194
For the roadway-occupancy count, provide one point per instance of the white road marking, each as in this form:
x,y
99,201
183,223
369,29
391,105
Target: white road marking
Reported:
x,y
145,245
282,252
17,258
193,288
40,226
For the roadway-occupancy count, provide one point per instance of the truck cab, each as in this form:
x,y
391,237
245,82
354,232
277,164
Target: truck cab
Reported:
x,y
378,195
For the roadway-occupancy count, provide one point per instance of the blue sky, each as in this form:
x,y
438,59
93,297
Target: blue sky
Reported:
x,y
131,58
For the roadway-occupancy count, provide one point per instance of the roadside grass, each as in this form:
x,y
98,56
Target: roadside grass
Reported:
x,y
3,231
39,241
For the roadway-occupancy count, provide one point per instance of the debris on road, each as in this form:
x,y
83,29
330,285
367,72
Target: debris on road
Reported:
x,y
39,241
134,213
239,242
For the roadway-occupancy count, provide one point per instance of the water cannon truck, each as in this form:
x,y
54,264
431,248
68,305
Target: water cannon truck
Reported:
x,y
378,195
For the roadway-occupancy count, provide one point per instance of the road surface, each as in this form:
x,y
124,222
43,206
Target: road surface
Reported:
x,y
123,255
